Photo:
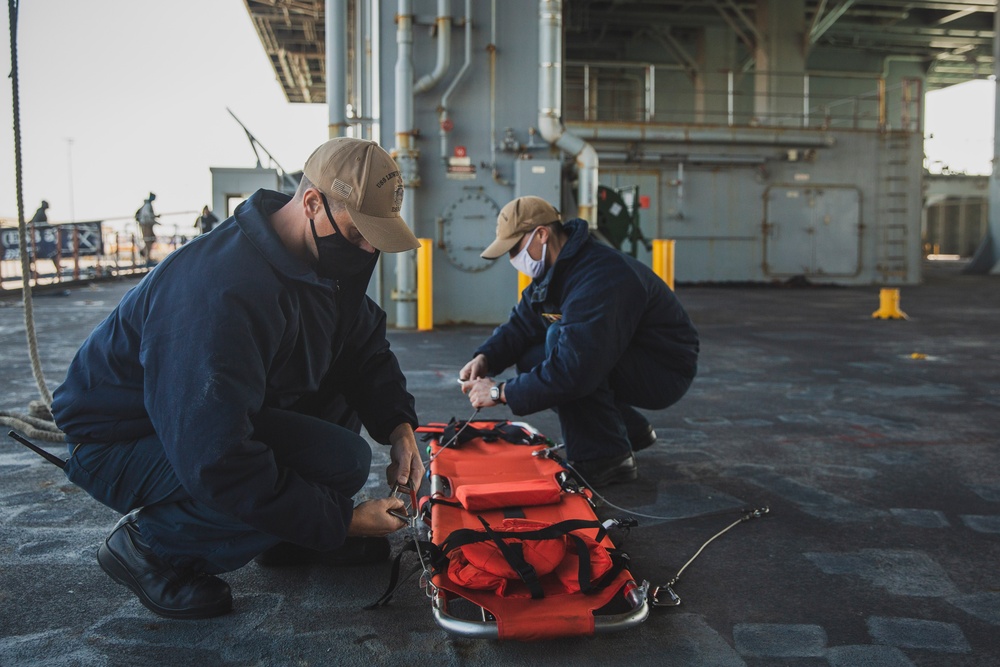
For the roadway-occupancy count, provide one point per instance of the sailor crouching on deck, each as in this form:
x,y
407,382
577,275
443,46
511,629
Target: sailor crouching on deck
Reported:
x,y
595,335
219,406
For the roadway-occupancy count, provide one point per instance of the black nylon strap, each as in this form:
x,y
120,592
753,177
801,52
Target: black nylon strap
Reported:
x,y
514,554
447,503
619,561
583,569
394,582
463,536
501,430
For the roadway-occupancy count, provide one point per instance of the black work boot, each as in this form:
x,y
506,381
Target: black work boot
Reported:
x,y
606,471
355,551
161,588
642,439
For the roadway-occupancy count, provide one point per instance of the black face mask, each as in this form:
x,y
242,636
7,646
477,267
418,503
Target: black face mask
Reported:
x,y
338,257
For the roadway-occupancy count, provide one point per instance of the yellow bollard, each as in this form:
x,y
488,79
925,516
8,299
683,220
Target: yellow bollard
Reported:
x,y
888,305
522,282
425,286
663,260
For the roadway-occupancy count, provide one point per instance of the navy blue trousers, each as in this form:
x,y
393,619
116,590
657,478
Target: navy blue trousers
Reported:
x,y
186,532
597,425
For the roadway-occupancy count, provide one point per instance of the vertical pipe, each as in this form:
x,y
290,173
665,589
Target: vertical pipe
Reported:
x,y
550,82
805,100
993,223
443,22
360,81
425,285
729,96
680,190
443,108
336,66
374,78
882,115
650,93
406,158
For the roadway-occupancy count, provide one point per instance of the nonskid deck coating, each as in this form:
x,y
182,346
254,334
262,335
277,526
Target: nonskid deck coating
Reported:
x,y
882,472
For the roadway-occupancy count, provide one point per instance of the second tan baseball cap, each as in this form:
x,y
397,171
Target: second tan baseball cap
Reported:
x,y
518,218
366,178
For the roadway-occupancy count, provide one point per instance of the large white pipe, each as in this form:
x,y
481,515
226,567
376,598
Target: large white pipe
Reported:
x,y
406,158
336,66
428,81
443,107
550,124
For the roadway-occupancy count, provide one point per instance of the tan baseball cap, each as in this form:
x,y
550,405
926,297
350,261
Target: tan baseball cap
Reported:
x,y
363,176
518,218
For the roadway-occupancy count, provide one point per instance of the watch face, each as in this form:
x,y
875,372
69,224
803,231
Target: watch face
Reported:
x,y
495,393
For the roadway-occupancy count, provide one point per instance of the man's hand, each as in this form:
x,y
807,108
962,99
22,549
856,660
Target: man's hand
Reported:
x,y
372,519
479,392
475,369
405,466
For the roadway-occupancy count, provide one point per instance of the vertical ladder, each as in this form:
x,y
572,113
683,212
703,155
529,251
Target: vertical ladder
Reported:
x,y
893,210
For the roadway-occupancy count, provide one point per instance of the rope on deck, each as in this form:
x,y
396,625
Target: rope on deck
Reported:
x,y
39,424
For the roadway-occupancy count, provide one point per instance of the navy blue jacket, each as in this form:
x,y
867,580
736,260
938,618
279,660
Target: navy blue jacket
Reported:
x,y
226,325
606,302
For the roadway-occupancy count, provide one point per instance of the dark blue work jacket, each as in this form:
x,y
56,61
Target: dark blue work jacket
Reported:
x,y
605,302
227,325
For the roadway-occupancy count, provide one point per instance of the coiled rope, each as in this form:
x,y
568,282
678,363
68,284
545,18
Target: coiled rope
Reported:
x,y
39,424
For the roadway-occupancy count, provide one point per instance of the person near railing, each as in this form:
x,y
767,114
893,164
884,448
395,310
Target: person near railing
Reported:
x,y
206,221
147,220
41,217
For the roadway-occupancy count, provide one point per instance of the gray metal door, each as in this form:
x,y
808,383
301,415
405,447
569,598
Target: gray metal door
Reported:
x,y
812,230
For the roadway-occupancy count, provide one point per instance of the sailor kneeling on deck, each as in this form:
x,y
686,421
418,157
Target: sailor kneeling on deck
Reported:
x,y
594,336
219,406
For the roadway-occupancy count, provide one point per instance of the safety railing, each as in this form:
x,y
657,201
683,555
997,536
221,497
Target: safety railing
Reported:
x,y
647,93
77,251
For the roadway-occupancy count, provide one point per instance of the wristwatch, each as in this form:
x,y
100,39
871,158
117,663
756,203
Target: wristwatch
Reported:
x,y
496,392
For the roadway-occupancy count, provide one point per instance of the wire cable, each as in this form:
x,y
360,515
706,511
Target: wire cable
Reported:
x,y
454,438
631,512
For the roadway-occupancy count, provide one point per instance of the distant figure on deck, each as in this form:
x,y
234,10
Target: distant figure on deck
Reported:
x,y
147,219
41,217
40,214
206,221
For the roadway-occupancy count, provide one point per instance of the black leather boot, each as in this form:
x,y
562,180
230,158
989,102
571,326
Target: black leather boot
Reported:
x,y
642,439
161,588
606,471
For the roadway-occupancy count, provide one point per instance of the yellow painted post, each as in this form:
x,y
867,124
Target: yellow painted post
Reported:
x,y
888,305
663,260
522,282
425,286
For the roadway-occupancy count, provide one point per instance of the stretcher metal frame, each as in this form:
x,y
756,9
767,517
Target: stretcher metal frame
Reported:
x,y
624,591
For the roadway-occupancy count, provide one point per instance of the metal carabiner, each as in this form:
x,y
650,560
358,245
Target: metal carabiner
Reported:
x,y
654,596
410,514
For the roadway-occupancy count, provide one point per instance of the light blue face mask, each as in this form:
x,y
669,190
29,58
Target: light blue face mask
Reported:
x,y
526,264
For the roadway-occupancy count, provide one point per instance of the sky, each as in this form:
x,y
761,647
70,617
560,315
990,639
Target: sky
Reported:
x,y
122,97
959,128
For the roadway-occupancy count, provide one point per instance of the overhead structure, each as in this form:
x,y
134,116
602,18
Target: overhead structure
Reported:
x,y
952,39
773,140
